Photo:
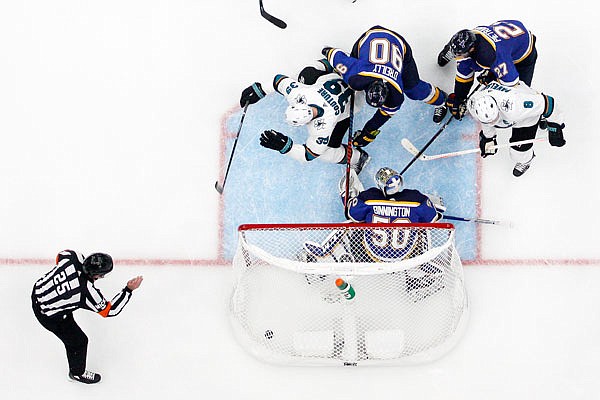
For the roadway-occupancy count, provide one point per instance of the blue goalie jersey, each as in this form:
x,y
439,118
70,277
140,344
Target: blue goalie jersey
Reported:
x,y
405,206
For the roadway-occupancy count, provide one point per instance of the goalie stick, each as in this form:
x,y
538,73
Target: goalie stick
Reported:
x,y
411,148
220,187
274,20
477,220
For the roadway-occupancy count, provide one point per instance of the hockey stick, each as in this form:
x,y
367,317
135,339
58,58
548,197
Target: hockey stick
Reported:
x,y
218,186
420,152
476,220
411,148
274,20
349,154
435,136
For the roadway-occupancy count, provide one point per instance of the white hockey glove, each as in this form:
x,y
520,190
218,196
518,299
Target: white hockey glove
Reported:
x,y
355,187
438,202
439,205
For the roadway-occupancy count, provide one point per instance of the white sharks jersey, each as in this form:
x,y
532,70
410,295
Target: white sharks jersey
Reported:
x,y
519,106
329,93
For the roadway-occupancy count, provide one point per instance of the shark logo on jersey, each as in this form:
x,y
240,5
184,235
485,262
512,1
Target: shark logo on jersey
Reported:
x,y
300,99
506,105
320,124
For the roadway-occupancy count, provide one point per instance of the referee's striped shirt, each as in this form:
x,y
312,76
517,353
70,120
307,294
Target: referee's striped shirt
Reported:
x,y
66,288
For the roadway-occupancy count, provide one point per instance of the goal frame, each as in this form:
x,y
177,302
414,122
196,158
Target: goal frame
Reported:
x,y
351,268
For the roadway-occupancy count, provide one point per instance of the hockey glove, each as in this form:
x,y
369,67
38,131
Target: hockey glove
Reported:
x,y
309,75
276,141
326,51
555,134
457,106
486,76
252,94
361,139
485,145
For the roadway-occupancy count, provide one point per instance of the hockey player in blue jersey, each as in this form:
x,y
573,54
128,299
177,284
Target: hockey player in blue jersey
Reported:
x,y
382,65
389,203
503,51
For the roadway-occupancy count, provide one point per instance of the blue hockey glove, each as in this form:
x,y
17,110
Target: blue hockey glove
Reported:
x,y
252,94
276,141
362,139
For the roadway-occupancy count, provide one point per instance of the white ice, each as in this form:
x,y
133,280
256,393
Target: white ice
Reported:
x,y
110,121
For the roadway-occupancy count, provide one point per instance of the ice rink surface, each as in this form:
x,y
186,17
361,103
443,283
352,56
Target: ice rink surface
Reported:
x,y
114,120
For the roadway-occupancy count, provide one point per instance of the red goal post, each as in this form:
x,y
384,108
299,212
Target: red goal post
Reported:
x,y
347,294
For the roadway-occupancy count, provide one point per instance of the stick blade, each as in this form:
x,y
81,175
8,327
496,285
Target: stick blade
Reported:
x,y
411,148
274,20
218,187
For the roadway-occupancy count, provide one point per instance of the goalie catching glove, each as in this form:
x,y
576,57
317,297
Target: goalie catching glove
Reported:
x,y
361,139
252,94
457,107
276,141
485,145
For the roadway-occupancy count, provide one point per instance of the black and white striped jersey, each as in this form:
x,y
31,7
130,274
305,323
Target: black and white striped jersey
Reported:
x,y
66,288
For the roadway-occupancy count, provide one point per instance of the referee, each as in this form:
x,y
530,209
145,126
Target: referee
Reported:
x,y
68,287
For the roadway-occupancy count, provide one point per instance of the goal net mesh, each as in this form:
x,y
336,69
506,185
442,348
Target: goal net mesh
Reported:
x,y
347,294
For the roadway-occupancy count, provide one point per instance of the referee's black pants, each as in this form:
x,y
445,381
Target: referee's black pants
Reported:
x,y
67,330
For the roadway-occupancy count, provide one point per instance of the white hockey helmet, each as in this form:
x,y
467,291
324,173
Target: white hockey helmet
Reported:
x,y
299,114
485,109
388,181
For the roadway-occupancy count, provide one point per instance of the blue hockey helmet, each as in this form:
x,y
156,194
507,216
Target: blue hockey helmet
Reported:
x,y
388,181
377,93
462,42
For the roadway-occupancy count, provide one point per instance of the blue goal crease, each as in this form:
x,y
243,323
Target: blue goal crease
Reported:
x,y
264,186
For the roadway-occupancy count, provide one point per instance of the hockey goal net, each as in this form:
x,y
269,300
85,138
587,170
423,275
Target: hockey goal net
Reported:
x,y
347,294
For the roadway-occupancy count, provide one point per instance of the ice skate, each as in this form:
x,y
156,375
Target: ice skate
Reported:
x,y
521,168
88,377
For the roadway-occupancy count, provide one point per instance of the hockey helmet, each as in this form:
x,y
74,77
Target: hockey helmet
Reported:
x,y
97,264
299,114
376,93
388,181
462,42
485,109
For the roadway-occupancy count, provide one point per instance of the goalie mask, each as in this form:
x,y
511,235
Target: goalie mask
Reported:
x,y
376,93
299,114
388,181
485,109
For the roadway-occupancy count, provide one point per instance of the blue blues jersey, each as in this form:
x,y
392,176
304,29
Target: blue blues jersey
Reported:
x,y
385,244
405,206
380,55
384,54
498,47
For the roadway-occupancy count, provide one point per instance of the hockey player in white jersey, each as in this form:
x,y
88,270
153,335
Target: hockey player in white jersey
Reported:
x,y
323,106
518,107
